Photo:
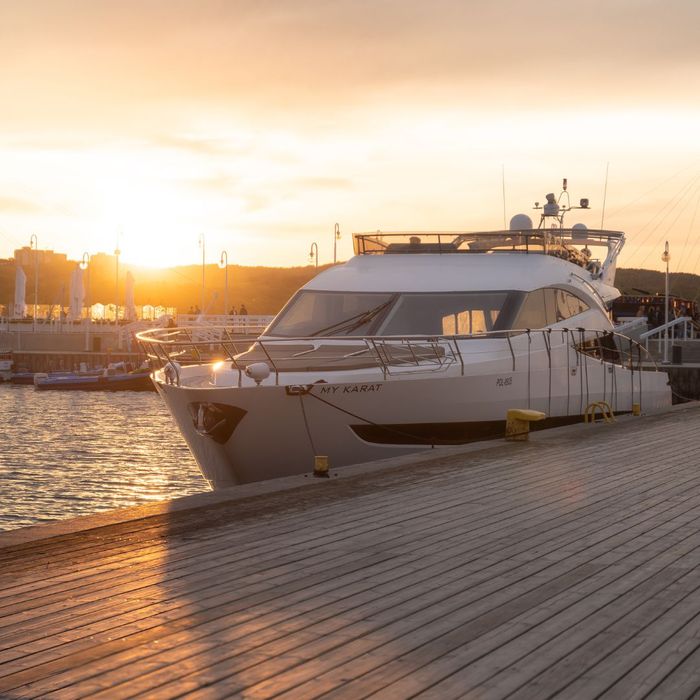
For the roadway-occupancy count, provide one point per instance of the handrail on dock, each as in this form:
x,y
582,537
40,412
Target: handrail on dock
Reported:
x,y
681,328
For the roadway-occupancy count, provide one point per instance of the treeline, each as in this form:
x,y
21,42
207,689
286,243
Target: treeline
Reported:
x,y
263,290
638,281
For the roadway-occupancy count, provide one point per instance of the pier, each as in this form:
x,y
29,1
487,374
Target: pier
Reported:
x,y
565,566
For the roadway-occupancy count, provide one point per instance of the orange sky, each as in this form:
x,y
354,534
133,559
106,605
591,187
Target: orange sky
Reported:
x,y
261,124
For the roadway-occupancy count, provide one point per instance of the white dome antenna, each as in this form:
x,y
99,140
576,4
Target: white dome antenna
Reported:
x,y
521,222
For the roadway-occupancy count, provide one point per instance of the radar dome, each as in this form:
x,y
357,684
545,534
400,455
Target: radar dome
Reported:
x,y
521,222
579,232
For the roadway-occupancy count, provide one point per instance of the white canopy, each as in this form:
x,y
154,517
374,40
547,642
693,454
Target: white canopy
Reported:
x,y
77,294
129,305
20,293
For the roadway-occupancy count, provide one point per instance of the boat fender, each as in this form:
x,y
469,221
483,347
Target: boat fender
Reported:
x,y
258,371
171,370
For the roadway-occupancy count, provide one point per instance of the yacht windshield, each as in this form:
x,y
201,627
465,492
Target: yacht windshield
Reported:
x,y
312,313
330,313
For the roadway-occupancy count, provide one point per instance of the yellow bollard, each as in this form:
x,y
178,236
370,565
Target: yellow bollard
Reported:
x,y
518,422
636,409
321,466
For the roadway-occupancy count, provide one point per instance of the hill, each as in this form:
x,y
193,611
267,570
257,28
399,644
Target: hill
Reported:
x,y
639,281
263,290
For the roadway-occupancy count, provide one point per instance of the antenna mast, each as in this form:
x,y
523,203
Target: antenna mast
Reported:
x,y
605,195
503,183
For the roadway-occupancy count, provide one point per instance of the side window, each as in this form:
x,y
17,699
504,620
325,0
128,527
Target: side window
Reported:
x,y
576,305
565,305
568,305
533,312
546,306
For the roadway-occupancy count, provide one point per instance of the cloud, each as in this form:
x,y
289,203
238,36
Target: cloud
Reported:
x,y
15,205
100,61
322,183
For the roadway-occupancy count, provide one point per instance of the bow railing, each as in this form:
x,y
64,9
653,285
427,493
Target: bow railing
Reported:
x,y
393,355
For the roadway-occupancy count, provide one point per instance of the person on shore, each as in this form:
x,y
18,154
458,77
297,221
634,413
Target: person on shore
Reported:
x,y
652,317
243,311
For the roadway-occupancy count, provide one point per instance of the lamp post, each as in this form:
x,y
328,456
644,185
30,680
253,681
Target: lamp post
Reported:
x,y
313,253
34,245
85,265
336,238
202,246
666,257
117,253
223,264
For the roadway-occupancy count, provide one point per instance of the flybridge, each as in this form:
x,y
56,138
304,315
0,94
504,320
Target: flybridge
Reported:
x,y
569,244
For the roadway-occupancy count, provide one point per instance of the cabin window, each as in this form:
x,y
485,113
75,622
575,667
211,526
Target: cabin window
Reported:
x,y
543,307
311,313
533,312
462,313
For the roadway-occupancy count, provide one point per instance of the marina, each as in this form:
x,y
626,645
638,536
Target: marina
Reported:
x,y
349,350
566,566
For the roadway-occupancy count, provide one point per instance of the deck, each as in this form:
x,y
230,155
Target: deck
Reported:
x,y
567,566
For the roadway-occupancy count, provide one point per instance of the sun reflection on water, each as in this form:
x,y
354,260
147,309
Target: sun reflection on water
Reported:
x,y
74,453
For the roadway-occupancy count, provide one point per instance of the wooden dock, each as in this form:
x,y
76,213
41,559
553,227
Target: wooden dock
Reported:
x,y
567,566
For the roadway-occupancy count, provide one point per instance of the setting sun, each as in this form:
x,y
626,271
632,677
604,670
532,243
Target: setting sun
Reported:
x,y
264,152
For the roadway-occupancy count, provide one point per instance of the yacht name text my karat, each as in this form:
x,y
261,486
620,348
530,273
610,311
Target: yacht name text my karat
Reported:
x,y
420,339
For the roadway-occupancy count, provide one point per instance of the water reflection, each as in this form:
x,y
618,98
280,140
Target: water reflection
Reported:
x,y
73,453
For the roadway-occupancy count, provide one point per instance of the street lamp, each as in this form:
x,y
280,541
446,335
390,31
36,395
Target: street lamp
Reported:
x,y
34,245
223,264
336,238
201,245
313,253
666,257
117,253
85,265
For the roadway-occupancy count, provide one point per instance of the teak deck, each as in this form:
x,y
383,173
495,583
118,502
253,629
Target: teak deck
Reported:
x,y
569,565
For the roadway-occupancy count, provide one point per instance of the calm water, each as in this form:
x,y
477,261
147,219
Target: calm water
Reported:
x,y
68,453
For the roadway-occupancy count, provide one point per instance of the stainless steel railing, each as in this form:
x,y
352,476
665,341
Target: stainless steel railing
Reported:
x,y
174,347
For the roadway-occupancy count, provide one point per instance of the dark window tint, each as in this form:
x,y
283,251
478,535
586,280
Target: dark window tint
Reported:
x,y
533,312
330,313
543,307
459,313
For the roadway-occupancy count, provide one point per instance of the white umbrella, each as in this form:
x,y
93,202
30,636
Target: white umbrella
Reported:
x,y
129,305
20,293
77,294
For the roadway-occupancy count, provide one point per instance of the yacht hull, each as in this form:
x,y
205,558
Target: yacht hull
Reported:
x,y
272,431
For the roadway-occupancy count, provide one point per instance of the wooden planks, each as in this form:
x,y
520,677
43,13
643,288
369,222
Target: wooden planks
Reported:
x,y
568,566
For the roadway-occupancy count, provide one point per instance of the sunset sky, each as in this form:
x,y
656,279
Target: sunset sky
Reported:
x,y
263,123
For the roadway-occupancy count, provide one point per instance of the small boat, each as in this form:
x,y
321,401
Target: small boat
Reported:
x,y
116,377
5,365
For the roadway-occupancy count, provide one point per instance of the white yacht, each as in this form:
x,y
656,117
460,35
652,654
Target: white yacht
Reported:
x,y
421,339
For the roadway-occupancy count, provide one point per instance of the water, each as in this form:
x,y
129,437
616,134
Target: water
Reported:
x,y
68,453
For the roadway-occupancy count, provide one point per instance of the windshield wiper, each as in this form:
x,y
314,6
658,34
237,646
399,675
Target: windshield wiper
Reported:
x,y
350,324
